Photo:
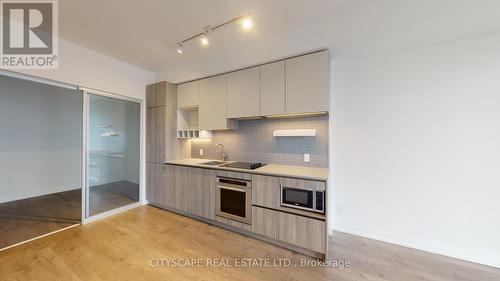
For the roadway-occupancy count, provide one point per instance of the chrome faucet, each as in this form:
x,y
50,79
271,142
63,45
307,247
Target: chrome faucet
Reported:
x,y
224,155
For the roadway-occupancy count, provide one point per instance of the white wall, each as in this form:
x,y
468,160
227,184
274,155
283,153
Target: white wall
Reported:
x,y
40,139
416,148
84,67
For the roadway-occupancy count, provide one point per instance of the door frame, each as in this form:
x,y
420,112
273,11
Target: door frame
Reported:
x,y
85,196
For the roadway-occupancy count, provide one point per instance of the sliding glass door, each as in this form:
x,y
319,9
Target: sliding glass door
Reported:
x,y
112,154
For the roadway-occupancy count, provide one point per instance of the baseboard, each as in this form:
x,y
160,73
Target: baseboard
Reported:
x,y
493,261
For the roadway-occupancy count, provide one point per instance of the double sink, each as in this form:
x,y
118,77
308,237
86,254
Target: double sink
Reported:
x,y
215,163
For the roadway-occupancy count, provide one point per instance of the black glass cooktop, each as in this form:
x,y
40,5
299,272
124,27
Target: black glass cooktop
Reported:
x,y
244,165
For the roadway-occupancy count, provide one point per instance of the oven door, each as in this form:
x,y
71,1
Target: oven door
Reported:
x,y
234,202
303,199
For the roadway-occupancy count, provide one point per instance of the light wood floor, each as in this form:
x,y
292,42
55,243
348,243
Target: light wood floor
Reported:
x,y
25,219
121,247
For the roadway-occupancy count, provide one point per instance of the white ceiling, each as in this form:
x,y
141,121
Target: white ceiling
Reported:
x,y
145,33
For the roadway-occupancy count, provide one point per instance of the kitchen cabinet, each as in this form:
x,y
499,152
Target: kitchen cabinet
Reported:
x,y
155,182
307,83
190,190
156,134
188,95
243,93
201,189
161,122
156,94
301,231
265,222
265,191
212,109
272,88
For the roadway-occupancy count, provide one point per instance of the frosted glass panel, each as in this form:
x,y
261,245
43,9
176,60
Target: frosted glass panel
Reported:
x,y
113,153
40,159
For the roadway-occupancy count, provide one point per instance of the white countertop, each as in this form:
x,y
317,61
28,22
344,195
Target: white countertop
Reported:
x,y
301,172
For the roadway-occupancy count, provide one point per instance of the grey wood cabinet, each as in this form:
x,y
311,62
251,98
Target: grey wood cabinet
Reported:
x,y
265,222
156,94
243,93
161,142
272,88
301,231
156,137
265,191
191,190
307,83
155,182
188,94
212,109
201,192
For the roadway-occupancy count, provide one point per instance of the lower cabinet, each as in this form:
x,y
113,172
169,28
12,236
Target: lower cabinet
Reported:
x,y
156,183
265,222
301,231
191,190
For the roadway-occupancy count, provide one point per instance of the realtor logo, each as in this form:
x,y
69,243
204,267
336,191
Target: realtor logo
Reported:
x,y
29,35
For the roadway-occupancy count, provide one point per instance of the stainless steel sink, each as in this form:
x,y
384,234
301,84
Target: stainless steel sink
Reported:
x,y
213,163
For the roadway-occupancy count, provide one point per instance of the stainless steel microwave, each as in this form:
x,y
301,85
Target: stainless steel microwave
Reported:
x,y
308,199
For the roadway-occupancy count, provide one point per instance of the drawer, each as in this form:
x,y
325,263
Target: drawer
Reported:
x,y
265,191
301,231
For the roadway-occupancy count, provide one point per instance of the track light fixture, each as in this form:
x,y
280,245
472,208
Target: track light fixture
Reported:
x,y
180,50
245,22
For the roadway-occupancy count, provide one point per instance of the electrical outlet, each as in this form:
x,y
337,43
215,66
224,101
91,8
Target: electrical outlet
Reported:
x,y
307,157
201,151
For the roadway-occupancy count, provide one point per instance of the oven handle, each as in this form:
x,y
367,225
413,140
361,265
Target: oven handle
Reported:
x,y
232,188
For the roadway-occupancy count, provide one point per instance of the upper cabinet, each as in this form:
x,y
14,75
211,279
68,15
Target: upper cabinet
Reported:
x,y
156,94
307,83
188,94
292,86
243,93
272,88
212,108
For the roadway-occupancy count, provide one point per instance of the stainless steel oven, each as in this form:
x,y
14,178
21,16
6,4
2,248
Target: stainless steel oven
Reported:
x,y
234,199
303,198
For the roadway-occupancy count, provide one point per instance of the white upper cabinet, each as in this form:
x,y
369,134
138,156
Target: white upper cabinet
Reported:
x,y
188,94
212,109
272,88
243,93
307,83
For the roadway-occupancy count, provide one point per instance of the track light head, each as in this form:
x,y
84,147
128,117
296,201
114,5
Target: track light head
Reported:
x,y
204,39
246,23
180,50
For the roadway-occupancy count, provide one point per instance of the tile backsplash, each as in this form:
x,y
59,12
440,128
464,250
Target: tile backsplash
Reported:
x,y
254,142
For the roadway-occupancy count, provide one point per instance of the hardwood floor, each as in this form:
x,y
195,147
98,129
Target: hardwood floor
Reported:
x,y
25,219
123,247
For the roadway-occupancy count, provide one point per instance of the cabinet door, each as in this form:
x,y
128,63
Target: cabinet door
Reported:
x,y
272,88
307,83
243,93
156,134
201,186
265,191
188,94
212,110
303,232
156,94
265,222
155,183
175,179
